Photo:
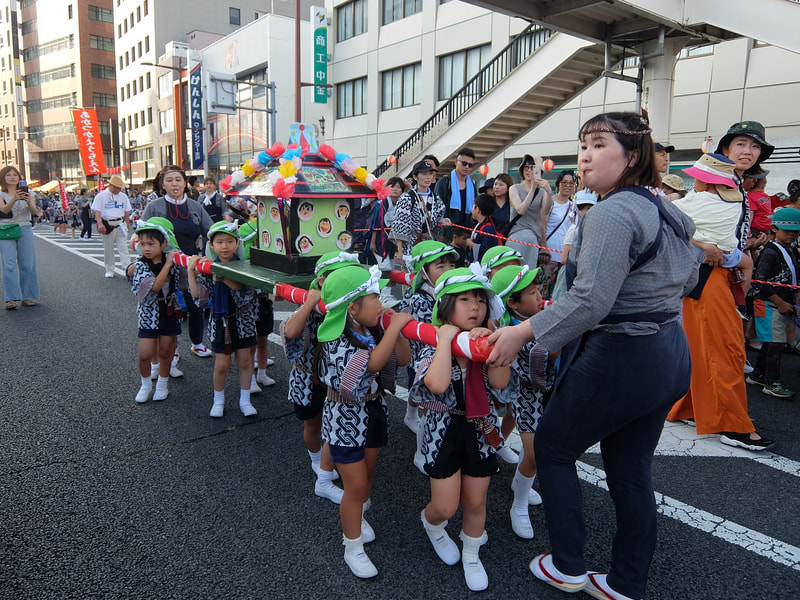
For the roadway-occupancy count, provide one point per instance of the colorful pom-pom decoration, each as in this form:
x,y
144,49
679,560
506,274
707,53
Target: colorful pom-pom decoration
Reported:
x,y
484,169
548,165
392,159
327,152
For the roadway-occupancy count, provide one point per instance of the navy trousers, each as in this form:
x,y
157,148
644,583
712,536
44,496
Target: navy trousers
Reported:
x,y
617,391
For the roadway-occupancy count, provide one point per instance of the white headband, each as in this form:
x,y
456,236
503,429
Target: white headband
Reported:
x,y
370,286
342,257
515,281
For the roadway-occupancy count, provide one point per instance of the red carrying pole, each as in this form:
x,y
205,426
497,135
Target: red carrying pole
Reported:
x,y
476,350
182,260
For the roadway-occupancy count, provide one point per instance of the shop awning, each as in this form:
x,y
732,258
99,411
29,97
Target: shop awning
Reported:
x,y
48,187
73,187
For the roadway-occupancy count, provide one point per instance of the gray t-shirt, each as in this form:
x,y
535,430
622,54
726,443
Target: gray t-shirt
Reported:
x,y
610,238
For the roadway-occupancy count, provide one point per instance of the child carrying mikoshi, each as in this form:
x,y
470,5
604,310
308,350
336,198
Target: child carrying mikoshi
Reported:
x,y
306,393
429,260
232,324
774,305
353,361
518,287
461,432
155,281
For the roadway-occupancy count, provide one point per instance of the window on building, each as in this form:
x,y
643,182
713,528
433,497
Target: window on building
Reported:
x,y
147,43
127,59
119,30
394,10
139,49
351,98
138,13
149,115
147,79
34,106
103,71
128,90
351,20
29,26
235,16
100,42
125,25
69,11
133,53
402,86
97,13
136,120
145,7
165,85
166,121
57,45
120,63
122,92
130,122
134,87
458,68
141,83
141,117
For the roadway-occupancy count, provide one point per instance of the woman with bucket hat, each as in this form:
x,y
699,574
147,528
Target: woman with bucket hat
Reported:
x,y
717,398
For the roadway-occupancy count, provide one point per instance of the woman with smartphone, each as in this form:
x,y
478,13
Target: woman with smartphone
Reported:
x,y
18,253
531,201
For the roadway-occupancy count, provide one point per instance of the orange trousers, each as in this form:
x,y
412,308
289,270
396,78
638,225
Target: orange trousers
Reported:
x,y
717,398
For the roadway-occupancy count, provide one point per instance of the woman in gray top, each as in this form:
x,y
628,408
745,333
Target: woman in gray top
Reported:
x,y
532,199
630,265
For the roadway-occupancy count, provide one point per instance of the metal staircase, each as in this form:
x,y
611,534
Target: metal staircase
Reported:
x,y
536,74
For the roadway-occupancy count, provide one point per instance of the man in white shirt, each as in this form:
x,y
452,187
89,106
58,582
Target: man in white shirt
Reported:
x,y
112,208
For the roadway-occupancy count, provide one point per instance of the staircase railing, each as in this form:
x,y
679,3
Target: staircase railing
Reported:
x,y
508,59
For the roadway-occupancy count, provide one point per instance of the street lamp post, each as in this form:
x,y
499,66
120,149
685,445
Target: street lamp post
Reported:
x,y
181,108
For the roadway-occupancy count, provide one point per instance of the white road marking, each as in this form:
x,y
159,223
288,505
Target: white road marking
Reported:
x,y
93,257
729,531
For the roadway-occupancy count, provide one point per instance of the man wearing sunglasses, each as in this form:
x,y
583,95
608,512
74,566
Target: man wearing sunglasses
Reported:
x,y
458,191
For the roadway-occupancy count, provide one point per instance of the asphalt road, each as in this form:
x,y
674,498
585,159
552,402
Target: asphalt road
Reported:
x,y
104,498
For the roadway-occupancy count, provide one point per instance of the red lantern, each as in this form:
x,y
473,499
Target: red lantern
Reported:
x,y
484,169
392,159
548,165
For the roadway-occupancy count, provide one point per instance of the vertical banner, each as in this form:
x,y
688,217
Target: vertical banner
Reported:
x,y
101,185
89,140
319,35
63,193
196,115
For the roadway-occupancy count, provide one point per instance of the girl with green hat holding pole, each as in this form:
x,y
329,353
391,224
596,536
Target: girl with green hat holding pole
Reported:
x,y
357,359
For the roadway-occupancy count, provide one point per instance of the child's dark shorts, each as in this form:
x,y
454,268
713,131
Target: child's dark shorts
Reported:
x,y
460,451
265,322
304,413
234,345
169,326
377,435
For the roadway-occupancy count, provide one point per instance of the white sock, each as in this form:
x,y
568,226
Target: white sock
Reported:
x,y
244,397
253,380
161,384
262,372
154,367
412,412
174,360
315,456
147,383
219,397
521,486
325,476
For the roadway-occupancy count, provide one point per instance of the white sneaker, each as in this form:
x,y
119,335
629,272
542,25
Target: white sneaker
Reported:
x,y
367,532
748,368
443,545
508,455
521,525
270,362
201,351
357,559
534,499
248,410
175,372
254,389
109,275
419,462
217,410
160,394
326,489
143,394
153,371
265,380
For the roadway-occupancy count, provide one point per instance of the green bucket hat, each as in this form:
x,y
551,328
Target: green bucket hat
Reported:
x,y
752,129
787,218
498,255
340,289
330,261
228,228
163,226
461,280
513,279
247,233
425,253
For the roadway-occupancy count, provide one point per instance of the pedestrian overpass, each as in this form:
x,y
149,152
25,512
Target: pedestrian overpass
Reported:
x,y
570,45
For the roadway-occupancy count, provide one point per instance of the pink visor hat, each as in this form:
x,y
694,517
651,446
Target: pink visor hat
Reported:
x,y
713,168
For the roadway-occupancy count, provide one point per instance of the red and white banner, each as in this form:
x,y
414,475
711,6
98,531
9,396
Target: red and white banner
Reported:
x,y
89,140
63,193
101,185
